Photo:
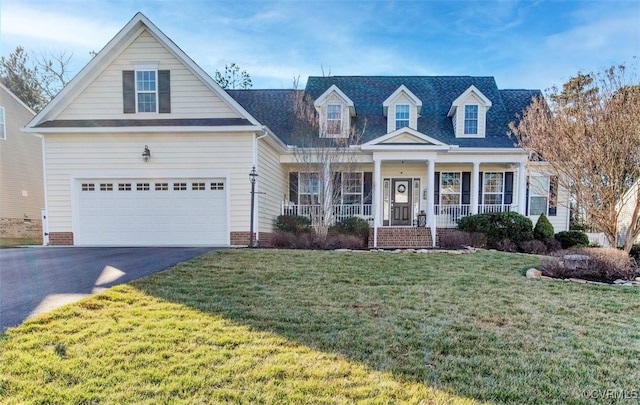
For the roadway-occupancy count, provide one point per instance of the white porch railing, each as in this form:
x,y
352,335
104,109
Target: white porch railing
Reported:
x,y
446,216
340,211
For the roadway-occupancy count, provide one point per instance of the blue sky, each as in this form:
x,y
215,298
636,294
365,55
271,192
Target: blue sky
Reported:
x,y
523,44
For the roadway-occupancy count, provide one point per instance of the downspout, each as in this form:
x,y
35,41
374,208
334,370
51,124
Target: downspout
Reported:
x,y
45,238
256,138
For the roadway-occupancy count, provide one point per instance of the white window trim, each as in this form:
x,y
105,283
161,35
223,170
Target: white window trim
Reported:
x,y
465,119
340,133
535,192
138,92
314,196
3,124
408,119
343,193
459,193
484,192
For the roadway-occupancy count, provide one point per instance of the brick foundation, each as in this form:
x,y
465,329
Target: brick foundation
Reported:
x,y
19,228
404,237
61,238
242,239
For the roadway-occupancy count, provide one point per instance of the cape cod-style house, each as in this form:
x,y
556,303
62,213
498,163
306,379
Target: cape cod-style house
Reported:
x,y
142,147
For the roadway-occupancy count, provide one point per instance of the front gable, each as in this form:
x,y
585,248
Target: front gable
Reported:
x,y
185,94
403,139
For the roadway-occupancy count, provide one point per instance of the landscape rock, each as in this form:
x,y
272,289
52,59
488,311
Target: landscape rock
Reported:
x,y
578,280
534,273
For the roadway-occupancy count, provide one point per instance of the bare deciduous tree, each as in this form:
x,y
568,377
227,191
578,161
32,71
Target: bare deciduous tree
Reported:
x,y
589,134
324,154
233,78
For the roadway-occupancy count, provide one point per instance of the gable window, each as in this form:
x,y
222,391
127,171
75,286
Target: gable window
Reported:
x,y
3,132
146,88
146,91
470,119
493,188
402,115
450,188
334,119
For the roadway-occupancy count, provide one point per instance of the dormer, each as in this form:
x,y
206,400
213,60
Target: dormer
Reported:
x,y
335,111
402,109
468,113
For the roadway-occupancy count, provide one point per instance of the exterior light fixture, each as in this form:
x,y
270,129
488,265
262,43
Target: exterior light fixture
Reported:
x,y
146,154
252,177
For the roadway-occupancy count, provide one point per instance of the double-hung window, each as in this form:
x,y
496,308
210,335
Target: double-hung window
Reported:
x,y
3,131
450,188
309,187
493,188
334,119
470,119
538,195
352,188
402,115
146,91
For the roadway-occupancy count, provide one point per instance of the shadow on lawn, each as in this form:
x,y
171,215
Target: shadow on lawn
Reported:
x,y
373,309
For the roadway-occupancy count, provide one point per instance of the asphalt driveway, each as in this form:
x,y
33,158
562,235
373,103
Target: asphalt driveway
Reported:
x,y
39,279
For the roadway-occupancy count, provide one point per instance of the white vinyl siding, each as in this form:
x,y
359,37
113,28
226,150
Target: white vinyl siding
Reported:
x,y
272,185
190,98
462,122
226,156
3,132
21,183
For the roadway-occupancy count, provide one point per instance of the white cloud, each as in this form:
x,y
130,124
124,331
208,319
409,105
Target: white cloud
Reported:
x,y
52,28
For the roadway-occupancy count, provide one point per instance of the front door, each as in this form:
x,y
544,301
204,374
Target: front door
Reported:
x,y
401,202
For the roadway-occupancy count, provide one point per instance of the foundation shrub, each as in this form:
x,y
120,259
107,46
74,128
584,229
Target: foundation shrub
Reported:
x,y
570,239
460,238
534,247
293,223
543,229
353,226
499,226
553,245
507,245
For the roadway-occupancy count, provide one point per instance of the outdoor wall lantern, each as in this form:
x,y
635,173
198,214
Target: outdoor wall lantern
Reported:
x,y
252,177
146,154
422,219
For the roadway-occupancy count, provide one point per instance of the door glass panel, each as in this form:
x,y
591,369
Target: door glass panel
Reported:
x,y
401,192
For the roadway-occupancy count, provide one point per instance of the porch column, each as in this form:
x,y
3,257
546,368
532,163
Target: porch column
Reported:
x,y
377,197
431,186
522,189
474,189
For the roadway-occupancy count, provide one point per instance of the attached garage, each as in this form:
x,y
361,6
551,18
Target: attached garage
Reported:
x,y
151,212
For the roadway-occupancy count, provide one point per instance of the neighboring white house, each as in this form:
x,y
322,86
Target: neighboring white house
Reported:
x,y
21,182
144,148
627,206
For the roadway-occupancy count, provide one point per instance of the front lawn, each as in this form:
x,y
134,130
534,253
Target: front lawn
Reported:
x,y
270,326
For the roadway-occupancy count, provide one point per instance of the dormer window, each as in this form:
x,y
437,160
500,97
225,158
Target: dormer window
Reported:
x,y
468,114
334,119
335,111
470,119
402,115
402,109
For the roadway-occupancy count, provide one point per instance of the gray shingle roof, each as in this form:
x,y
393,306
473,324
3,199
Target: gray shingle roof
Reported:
x,y
275,108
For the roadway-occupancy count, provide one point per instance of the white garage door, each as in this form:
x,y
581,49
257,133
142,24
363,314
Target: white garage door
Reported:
x,y
144,212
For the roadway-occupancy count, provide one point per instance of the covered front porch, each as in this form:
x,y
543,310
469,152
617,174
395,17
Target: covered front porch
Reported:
x,y
409,202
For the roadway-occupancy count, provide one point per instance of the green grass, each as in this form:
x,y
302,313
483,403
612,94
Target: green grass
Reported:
x,y
17,242
269,326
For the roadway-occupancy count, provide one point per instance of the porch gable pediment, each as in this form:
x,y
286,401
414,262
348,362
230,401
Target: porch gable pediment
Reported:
x,y
403,138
